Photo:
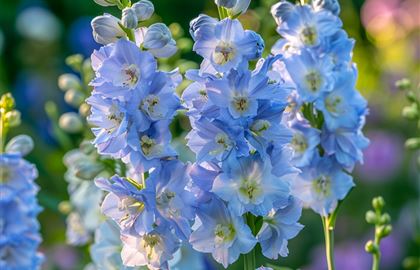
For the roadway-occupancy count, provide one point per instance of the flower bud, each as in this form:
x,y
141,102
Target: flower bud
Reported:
x,y
384,231
69,81
88,171
403,84
371,217
413,143
144,10
411,112
106,29
71,122
106,3
331,5
378,203
74,97
21,144
13,118
240,7
201,25
65,207
370,247
84,109
157,36
385,219
75,61
225,3
7,102
87,148
129,18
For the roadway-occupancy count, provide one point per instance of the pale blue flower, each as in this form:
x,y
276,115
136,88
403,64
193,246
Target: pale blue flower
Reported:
x,y
342,106
312,75
106,249
221,233
106,29
302,26
144,9
228,45
175,202
149,147
128,205
279,227
248,185
346,145
321,185
216,141
158,41
304,143
153,249
202,27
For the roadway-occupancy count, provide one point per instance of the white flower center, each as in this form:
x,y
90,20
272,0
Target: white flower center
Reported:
x,y
130,75
313,81
322,185
299,143
309,35
259,126
224,233
149,104
223,53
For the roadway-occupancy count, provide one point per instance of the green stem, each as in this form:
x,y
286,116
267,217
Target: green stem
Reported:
x,y
377,254
329,242
2,130
249,259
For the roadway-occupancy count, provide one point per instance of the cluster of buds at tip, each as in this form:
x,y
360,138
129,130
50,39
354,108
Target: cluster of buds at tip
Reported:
x,y
9,116
382,222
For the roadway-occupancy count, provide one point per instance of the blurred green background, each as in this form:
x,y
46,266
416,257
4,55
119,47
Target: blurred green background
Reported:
x,y
37,35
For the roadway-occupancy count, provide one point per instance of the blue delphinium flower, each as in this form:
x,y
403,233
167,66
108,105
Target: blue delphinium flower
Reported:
x,y
124,69
321,185
215,141
301,26
128,204
153,249
19,228
221,233
175,203
248,185
304,143
278,227
228,45
346,145
311,74
343,106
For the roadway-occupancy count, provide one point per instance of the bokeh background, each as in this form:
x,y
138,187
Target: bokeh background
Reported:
x,y
37,35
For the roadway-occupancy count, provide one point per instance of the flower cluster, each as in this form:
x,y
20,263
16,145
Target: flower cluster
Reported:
x,y
19,228
132,105
325,110
243,166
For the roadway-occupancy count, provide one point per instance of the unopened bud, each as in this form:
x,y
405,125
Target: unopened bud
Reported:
x,y
74,97
384,231
21,144
88,171
370,247
106,3
71,122
226,3
371,217
403,84
144,10
84,109
378,203
411,112
240,7
13,118
129,18
75,61
385,219
64,207
331,5
413,143
106,29
7,102
69,81
157,36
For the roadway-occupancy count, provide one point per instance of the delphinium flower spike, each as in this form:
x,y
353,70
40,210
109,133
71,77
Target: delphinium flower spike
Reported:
x,y
243,166
132,105
325,110
19,228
